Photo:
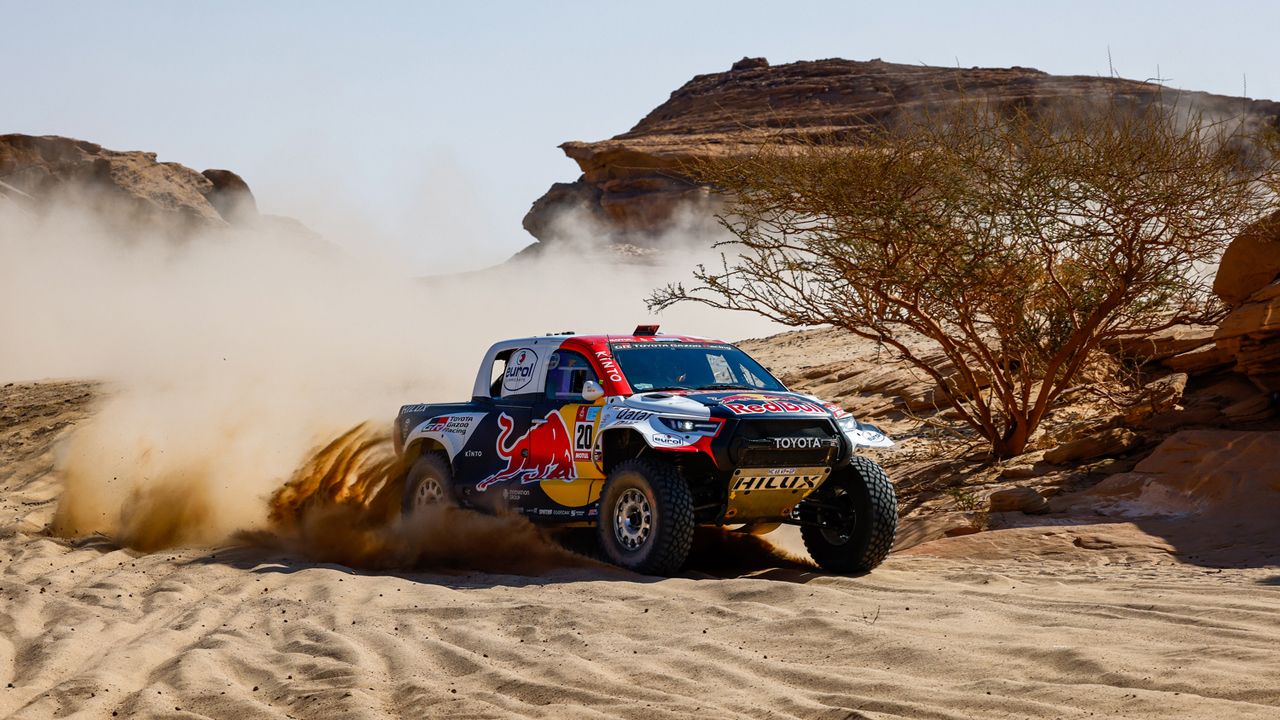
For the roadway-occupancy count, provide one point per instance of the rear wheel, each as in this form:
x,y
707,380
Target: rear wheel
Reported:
x,y
852,519
646,517
429,482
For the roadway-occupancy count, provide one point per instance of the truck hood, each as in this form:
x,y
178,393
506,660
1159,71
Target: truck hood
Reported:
x,y
698,403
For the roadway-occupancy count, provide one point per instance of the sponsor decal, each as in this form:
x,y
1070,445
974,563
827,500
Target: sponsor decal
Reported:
x,y
665,439
801,443
588,413
609,366
421,407
647,343
759,403
786,482
583,437
450,425
836,411
520,369
627,415
543,453
459,425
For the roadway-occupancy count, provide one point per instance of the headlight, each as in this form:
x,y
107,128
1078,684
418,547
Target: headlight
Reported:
x,y
848,423
686,426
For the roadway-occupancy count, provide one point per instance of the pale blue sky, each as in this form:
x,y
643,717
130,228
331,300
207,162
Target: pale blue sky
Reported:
x,y
429,128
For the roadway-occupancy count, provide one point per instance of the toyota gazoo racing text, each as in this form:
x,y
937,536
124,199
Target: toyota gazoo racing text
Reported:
x,y
643,437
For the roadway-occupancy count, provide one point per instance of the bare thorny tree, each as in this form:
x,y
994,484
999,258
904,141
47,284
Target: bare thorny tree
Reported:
x,y
1014,241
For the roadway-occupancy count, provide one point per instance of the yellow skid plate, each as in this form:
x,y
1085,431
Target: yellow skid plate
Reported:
x,y
767,493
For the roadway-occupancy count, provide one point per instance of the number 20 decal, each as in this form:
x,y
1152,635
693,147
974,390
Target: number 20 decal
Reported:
x,y
583,433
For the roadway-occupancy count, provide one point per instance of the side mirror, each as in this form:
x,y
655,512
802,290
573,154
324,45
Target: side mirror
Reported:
x,y
591,391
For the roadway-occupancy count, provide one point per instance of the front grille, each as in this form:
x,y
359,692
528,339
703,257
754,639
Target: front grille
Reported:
x,y
754,443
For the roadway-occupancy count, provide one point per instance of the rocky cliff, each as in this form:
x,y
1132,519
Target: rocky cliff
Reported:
x,y
632,185
132,190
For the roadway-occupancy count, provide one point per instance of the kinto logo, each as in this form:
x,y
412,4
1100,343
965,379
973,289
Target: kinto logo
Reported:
x,y
798,443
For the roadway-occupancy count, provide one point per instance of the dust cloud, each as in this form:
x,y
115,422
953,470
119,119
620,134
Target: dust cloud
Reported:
x,y
344,505
233,360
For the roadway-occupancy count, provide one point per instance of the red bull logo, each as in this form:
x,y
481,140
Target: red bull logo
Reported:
x,y
755,403
543,453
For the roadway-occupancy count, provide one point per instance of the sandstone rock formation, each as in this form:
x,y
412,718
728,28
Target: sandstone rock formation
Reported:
x,y
1023,499
230,195
1112,441
1249,280
634,185
1250,263
1201,471
131,189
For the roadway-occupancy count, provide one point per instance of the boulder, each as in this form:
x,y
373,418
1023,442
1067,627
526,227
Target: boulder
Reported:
x,y
1113,441
231,197
1157,396
1250,262
1018,499
1250,335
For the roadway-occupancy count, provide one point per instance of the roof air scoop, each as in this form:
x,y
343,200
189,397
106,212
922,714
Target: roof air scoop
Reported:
x,y
645,330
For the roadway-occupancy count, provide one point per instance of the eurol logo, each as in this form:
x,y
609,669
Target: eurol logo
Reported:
x,y
519,370
758,403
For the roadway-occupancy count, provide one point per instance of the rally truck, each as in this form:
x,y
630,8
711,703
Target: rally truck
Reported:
x,y
645,436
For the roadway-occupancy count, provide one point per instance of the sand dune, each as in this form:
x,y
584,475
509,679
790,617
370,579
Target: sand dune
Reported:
x,y
1062,622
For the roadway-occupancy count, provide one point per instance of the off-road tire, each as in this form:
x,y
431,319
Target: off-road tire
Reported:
x,y
670,524
430,467
866,489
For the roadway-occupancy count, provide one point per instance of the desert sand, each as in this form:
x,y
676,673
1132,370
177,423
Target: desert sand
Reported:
x,y
1055,621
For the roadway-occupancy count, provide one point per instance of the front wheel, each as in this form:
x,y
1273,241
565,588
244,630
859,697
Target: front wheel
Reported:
x,y
646,517
851,520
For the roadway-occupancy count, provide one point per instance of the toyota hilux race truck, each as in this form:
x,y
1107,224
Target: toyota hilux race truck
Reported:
x,y
645,436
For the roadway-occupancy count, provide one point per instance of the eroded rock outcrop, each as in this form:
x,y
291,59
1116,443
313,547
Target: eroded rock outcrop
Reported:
x,y
1201,471
1249,280
132,189
634,185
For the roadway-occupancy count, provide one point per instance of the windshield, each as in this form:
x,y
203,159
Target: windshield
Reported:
x,y
690,366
